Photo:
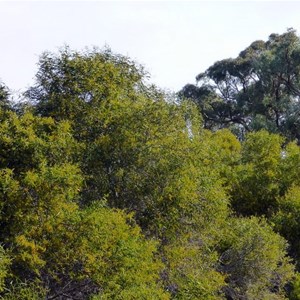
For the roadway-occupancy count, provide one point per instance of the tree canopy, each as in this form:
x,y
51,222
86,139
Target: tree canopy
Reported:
x,y
110,190
259,89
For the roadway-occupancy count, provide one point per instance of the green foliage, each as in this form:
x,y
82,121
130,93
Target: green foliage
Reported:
x,y
118,258
136,143
255,261
49,237
257,90
5,262
221,153
141,161
28,141
255,187
5,104
192,258
289,167
109,190
295,293
92,249
70,84
287,220
37,182
24,291
192,272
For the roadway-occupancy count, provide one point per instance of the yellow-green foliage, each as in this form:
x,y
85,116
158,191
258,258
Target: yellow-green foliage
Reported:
x,y
52,236
223,153
295,294
5,262
255,186
255,260
24,291
142,160
289,168
191,272
27,141
112,192
118,258
287,220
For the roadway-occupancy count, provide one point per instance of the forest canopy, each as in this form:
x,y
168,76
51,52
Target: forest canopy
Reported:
x,y
259,89
112,189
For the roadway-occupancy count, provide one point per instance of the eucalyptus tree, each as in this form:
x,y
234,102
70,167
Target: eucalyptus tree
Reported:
x,y
258,89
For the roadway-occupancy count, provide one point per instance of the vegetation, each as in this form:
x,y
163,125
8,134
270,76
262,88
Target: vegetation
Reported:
x,y
109,190
257,90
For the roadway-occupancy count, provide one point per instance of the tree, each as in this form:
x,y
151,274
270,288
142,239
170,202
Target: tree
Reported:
x,y
118,257
38,187
110,191
255,261
141,161
258,89
5,104
51,245
287,221
191,258
70,84
255,182
289,167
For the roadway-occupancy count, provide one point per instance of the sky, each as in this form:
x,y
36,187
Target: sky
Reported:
x,y
173,40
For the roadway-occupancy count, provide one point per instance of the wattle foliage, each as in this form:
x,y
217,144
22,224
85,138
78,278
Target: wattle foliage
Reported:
x,y
109,190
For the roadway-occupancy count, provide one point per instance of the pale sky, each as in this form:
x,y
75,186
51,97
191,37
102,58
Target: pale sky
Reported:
x,y
174,40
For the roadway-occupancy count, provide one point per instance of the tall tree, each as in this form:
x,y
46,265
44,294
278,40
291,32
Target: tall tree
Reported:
x,y
70,83
258,89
